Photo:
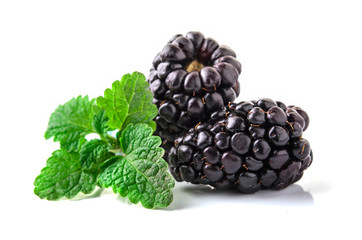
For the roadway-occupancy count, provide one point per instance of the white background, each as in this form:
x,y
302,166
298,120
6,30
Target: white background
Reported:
x,y
306,53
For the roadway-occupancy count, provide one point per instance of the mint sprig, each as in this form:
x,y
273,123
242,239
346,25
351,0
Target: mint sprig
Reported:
x,y
131,163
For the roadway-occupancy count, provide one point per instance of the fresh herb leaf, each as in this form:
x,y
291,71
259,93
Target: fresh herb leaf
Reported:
x,y
139,136
100,122
63,176
94,152
71,122
139,172
129,101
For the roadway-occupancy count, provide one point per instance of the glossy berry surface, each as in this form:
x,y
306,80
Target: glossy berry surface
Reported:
x,y
190,78
247,146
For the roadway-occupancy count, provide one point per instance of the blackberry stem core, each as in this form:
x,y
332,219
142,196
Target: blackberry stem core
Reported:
x,y
194,66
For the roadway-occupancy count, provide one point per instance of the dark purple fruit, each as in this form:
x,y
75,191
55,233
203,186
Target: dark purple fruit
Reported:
x,y
187,172
277,116
208,46
222,51
278,135
278,159
232,60
240,143
172,52
228,72
266,103
231,162
301,149
212,155
294,116
248,182
204,139
168,111
185,45
175,80
184,153
253,164
261,149
303,114
222,140
213,101
192,83
195,108
213,172
231,151
198,77
256,116
210,78
235,123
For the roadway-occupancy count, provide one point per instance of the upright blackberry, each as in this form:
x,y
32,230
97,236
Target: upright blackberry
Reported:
x,y
247,146
191,78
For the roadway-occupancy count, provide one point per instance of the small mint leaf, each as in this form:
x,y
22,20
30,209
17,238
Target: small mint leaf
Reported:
x,y
71,122
100,122
93,153
139,172
137,137
128,101
63,176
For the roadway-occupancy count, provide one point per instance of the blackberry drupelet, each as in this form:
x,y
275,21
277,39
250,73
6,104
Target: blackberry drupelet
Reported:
x,y
191,77
246,146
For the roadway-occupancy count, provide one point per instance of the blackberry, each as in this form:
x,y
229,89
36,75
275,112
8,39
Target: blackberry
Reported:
x,y
246,146
190,78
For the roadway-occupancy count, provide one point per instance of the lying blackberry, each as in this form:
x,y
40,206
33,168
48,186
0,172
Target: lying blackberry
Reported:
x,y
249,146
190,78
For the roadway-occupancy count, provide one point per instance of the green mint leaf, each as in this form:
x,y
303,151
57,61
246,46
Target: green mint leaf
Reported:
x,y
129,101
100,125
139,172
71,122
138,137
94,152
100,121
63,176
